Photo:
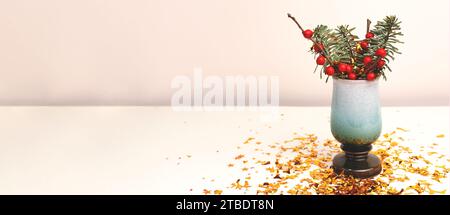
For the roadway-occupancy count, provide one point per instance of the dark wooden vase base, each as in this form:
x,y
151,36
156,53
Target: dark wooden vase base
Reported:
x,y
357,161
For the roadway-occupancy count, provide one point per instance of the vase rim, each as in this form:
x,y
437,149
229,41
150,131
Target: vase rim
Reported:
x,y
355,81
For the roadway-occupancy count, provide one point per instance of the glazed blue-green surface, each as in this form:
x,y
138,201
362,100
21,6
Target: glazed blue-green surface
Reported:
x,y
355,111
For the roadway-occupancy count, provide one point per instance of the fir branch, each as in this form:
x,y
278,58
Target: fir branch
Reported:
x,y
323,35
387,32
345,43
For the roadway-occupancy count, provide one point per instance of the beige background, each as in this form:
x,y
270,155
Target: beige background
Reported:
x,y
121,52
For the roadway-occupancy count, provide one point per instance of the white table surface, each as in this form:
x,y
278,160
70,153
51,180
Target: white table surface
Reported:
x,y
144,150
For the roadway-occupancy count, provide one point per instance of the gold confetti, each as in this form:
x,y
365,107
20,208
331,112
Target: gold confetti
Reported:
x,y
239,157
402,129
287,164
248,140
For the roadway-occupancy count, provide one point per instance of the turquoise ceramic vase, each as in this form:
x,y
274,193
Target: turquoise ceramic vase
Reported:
x,y
356,124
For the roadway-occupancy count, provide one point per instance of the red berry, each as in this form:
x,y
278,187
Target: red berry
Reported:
x,y
370,35
352,76
320,60
380,63
349,68
318,47
381,52
364,44
342,67
367,60
371,76
329,70
308,34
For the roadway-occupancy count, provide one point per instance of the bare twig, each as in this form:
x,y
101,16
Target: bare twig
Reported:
x,y
368,25
293,19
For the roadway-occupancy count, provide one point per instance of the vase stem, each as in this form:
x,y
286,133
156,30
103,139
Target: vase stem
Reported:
x,y
357,161
356,152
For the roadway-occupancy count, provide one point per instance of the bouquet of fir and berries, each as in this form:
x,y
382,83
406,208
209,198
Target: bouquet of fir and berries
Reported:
x,y
343,55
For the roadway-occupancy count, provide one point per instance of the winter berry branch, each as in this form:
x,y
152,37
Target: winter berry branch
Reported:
x,y
342,55
308,35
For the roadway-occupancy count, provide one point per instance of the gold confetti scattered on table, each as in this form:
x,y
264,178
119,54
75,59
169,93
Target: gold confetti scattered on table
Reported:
x,y
239,157
302,165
